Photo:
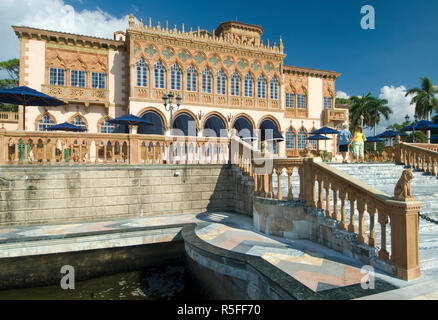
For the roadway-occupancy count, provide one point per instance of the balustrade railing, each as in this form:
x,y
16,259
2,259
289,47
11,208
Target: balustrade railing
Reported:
x,y
31,148
358,208
418,156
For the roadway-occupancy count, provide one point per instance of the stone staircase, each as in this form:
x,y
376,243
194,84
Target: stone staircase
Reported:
x,y
424,187
384,177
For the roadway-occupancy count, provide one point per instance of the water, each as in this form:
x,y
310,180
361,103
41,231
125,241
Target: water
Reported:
x,y
170,282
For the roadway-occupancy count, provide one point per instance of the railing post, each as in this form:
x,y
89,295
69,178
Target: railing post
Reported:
x,y
398,153
404,238
133,149
3,153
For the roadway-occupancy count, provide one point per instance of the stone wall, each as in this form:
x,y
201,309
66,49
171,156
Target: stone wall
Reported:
x,y
294,221
52,194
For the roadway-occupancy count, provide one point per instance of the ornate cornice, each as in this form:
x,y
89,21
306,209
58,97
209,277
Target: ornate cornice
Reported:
x,y
311,72
67,38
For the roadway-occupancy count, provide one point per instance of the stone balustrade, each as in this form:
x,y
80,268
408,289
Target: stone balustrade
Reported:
x,y
48,148
338,195
418,156
11,117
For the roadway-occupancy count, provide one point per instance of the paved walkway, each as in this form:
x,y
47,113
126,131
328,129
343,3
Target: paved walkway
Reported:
x,y
316,267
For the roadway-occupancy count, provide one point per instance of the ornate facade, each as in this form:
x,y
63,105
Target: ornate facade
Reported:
x,y
227,74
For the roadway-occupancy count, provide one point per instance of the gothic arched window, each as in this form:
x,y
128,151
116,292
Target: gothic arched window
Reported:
x,y
261,87
207,80
249,86
175,77
142,73
273,88
159,75
235,84
221,85
192,79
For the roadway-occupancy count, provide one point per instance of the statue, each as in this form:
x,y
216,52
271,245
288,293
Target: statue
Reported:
x,y
402,191
308,150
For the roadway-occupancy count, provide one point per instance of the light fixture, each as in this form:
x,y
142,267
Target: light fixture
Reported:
x,y
200,115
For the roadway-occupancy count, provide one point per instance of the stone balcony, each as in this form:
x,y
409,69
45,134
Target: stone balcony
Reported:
x,y
334,115
208,99
86,96
8,117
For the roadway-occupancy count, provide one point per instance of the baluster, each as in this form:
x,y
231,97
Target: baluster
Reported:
x,y
278,171
44,159
301,174
320,204
343,196
383,220
352,227
327,187
160,153
372,239
335,214
16,159
96,160
290,172
104,153
362,238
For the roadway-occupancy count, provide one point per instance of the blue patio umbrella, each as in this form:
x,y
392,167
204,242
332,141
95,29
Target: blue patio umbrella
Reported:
x,y
391,134
317,137
65,127
325,130
374,139
422,125
26,96
130,120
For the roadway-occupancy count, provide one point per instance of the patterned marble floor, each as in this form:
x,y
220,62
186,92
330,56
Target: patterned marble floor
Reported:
x,y
316,267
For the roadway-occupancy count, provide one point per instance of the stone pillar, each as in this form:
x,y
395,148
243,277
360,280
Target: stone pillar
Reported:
x,y
404,238
3,149
133,149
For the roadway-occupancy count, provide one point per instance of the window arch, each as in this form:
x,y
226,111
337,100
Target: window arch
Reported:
x,y
290,139
249,86
314,144
159,75
221,82
207,80
261,87
273,88
45,122
175,77
192,79
79,121
106,127
235,84
142,73
301,139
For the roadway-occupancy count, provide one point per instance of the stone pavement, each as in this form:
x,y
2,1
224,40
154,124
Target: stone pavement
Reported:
x,y
316,267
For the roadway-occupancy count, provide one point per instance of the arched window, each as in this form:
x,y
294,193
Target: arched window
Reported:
x,y
235,84
192,79
77,121
175,77
44,123
314,144
273,88
249,86
301,139
290,139
142,73
221,87
159,75
207,80
261,87
106,127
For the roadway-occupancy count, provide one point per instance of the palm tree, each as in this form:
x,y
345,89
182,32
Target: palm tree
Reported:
x,y
424,100
359,108
377,108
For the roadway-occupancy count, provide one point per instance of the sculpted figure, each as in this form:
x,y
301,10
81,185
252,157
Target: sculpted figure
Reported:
x,y
402,189
308,150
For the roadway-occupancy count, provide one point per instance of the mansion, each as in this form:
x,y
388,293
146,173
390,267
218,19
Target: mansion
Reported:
x,y
227,78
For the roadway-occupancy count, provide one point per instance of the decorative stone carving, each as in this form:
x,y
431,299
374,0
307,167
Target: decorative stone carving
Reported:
x,y
402,190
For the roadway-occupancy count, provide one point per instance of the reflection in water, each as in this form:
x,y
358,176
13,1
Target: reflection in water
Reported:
x,y
169,282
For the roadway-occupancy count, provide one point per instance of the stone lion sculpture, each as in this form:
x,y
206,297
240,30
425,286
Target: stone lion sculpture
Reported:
x,y
402,190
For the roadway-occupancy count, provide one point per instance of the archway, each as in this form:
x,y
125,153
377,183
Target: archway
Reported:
x,y
155,119
245,129
184,124
214,127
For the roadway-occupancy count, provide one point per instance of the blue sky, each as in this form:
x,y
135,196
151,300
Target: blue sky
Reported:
x,y
317,34
320,34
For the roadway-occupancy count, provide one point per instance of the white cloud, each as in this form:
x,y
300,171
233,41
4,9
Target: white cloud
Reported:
x,y
52,15
342,95
399,104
